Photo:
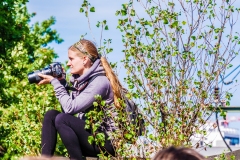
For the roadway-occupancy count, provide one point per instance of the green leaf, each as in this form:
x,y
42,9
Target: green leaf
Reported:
x,y
98,24
90,139
117,13
175,24
81,10
181,136
165,21
86,13
106,27
128,136
104,22
132,12
125,6
103,103
92,9
124,12
95,104
128,95
184,22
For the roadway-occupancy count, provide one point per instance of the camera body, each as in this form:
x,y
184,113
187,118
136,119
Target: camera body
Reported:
x,y
54,69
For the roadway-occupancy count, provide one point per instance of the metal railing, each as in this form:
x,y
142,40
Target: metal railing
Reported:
x,y
229,109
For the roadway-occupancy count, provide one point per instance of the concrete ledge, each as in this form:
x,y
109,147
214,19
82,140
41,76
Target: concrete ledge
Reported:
x,y
228,155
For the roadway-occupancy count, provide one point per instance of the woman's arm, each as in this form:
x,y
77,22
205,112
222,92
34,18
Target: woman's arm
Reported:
x,y
99,86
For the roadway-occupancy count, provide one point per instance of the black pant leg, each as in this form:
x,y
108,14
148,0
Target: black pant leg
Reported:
x,y
49,133
75,137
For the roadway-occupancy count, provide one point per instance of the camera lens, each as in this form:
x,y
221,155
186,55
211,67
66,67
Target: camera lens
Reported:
x,y
33,77
54,69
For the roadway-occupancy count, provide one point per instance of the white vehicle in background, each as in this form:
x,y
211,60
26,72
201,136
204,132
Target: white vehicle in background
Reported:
x,y
212,143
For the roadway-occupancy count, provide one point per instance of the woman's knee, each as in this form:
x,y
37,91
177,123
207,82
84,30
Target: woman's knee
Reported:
x,y
51,115
64,119
61,119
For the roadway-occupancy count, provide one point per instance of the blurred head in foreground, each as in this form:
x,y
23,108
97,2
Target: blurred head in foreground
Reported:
x,y
43,158
173,153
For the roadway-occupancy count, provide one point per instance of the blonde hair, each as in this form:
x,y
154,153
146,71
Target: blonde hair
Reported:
x,y
86,47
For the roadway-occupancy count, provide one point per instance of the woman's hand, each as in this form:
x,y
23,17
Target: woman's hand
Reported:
x,y
46,78
63,75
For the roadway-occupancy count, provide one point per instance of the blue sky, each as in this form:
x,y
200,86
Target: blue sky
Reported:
x,y
71,24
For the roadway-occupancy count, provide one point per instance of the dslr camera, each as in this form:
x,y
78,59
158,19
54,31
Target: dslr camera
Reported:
x,y
54,69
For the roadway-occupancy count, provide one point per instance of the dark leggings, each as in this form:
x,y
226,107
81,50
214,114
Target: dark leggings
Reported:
x,y
74,136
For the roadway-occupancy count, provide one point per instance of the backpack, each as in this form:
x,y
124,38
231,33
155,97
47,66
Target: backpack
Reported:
x,y
133,114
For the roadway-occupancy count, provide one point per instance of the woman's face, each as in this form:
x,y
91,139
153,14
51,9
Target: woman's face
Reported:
x,y
75,63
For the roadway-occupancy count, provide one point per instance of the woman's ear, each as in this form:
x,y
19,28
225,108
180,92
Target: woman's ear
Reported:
x,y
86,60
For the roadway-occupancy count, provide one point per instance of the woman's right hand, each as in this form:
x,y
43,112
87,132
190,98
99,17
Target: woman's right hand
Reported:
x,y
63,75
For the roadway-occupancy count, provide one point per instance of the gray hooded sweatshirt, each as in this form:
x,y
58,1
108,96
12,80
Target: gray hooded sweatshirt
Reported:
x,y
80,102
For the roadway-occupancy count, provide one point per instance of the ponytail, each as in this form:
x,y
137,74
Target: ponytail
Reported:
x,y
115,83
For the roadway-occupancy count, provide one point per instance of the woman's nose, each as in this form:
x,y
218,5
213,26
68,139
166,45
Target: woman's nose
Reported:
x,y
68,64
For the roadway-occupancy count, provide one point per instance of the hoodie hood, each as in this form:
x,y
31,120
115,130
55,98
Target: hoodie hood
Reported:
x,y
96,68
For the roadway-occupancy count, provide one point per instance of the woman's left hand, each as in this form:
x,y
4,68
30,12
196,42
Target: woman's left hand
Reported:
x,y
46,79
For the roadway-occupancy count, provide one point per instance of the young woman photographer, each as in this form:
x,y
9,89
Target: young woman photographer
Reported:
x,y
84,62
